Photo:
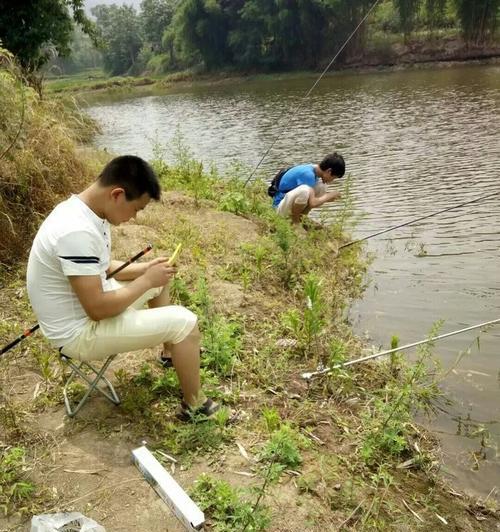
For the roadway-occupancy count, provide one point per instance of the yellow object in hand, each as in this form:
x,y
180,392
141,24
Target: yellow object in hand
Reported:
x,y
173,258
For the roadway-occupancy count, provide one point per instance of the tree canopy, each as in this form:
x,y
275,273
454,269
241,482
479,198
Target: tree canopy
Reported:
x,y
119,26
34,30
239,34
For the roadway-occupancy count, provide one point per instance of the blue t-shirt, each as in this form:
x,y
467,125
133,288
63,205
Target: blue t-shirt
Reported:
x,y
298,175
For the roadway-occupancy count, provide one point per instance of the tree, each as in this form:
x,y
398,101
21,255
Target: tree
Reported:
x,y
435,13
279,33
343,18
408,10
35,30
83,55
478,18
155,17
201,26
120,31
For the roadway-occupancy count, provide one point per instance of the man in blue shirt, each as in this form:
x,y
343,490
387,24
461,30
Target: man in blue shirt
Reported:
x,y
302,187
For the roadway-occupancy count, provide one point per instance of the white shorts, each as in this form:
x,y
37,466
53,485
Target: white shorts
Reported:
x,y
135,328
298,196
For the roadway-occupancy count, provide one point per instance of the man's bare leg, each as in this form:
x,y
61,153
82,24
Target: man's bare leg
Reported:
x,y
298,210
162,300
186,359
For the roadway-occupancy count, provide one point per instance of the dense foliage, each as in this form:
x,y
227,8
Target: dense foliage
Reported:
x,y
166,35
35,30
290,34
120,29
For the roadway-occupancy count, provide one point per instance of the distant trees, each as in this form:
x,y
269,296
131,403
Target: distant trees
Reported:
x,y
83,55
261,33
36,30
120,30
274,34
408,10
478,18
155,16
241,34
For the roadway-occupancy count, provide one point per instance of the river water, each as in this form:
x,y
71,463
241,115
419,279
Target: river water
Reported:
x,y
415,142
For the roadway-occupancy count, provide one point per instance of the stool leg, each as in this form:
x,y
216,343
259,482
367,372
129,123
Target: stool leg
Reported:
x,y
93,384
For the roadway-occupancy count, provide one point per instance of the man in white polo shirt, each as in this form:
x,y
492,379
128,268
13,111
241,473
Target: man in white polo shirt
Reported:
x,y
89,317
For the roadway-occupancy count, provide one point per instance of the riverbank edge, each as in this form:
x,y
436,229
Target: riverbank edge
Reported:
x,y
412,58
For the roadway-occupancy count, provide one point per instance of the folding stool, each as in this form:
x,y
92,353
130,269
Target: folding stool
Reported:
x,y
80,370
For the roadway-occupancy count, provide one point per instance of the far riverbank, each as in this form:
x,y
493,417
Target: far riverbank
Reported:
x,y
386,56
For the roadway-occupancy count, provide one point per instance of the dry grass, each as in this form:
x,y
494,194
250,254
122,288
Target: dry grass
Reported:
x,y
39,159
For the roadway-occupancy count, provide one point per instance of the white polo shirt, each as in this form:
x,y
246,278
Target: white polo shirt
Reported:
x,y
72,240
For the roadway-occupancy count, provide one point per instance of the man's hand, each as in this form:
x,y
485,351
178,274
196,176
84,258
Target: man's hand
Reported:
x,y
159,260
158,274
332,196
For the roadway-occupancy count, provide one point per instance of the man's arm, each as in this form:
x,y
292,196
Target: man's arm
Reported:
x,y
100,305
317,201
132,271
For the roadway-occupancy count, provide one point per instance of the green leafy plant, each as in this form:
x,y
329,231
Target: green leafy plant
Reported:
x,y
222,344
235,202
229,509
313,312
307,324
15,490
338,352
388,422
283,450
179,291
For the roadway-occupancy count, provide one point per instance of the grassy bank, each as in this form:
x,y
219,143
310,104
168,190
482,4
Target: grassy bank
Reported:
x,y
341,453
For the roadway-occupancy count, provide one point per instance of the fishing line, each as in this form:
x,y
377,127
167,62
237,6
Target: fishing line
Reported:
x,y
33,329
304,98
418,219
310,375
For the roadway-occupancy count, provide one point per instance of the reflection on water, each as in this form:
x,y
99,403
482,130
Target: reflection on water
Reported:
x,y
415,142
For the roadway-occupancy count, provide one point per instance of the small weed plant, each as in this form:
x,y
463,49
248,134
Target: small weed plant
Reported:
x,y
307,325
222,344
228,508
16,491
282,451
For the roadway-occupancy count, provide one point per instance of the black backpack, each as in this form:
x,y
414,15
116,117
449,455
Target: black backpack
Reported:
x,y
274,187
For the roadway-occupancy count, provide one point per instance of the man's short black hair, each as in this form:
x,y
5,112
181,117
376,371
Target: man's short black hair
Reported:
x,y
133,174
335,163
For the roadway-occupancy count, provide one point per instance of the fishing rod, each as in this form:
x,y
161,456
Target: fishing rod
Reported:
x,y
30,331
312,374
418,219
304,98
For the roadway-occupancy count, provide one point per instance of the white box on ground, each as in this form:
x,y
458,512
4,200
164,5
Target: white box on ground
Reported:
x,y
167,488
